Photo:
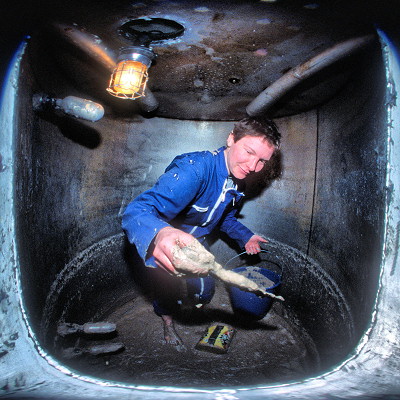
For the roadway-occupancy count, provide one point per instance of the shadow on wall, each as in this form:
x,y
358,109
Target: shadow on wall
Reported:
x,y
74,129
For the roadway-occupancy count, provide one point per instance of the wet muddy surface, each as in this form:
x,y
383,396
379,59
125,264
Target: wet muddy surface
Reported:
x,y
273,349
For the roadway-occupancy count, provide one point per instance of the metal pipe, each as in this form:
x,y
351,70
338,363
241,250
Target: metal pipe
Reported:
x,y
292,78
88,43
148,102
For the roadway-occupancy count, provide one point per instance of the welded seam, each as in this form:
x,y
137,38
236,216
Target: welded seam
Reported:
x,y
314,187
374,316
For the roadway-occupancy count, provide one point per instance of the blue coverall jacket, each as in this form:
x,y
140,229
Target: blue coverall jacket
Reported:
x,y
195,194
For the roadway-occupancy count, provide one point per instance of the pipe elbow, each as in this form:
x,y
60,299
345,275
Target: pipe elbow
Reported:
x,y
148,102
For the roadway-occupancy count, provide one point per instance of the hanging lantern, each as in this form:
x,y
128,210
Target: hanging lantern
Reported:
x,y
129,78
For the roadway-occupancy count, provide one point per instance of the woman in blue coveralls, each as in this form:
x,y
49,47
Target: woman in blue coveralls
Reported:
x,y
197,194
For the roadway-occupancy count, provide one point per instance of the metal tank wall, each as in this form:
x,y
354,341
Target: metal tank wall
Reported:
x,y
75,179
72,180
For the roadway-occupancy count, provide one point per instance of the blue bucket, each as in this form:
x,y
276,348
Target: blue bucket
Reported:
x,y
249,304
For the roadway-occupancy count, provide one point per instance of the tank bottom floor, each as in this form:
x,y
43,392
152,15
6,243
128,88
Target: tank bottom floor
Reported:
x,y
273,349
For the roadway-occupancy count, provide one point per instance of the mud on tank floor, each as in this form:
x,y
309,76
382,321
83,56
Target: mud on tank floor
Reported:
x,y
271,350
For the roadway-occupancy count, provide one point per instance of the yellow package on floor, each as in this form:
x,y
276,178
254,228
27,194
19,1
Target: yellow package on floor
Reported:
x,y
216,338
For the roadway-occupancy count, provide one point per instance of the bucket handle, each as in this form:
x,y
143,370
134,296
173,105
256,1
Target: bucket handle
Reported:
x,y
262,251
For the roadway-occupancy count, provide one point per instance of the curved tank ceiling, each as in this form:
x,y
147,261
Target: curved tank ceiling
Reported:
x,y
227,54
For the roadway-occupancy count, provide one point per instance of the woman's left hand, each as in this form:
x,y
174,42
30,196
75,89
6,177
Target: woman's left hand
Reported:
x,y
253,245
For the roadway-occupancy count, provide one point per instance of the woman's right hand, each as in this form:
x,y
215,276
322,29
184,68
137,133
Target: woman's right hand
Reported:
x,y
166,239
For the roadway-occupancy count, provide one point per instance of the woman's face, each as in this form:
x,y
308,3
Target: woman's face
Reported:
x,y
248,154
